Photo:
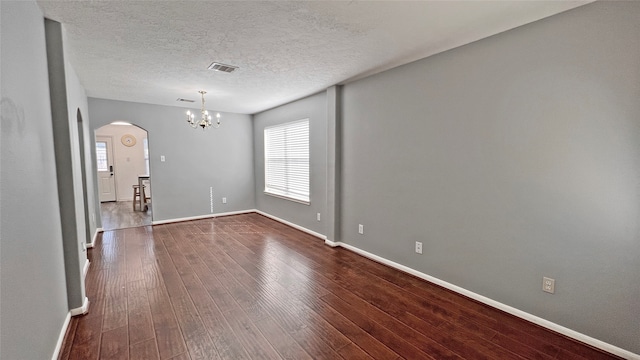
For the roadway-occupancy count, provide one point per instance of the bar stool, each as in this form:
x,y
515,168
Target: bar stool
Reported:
x,y
147,199
137,193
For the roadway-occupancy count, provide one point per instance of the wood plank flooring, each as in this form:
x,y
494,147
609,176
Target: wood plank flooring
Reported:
x,y
247,287
120,215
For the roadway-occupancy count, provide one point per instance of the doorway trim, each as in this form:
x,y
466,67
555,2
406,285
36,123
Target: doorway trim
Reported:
x,y
128,163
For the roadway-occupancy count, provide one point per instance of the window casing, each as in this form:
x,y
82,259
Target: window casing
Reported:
x,y
286,160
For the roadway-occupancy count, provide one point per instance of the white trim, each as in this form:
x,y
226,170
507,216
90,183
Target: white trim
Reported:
x,y
331,243
85,269
311,232
63,332
200,217
498,305
81,310
285,197
73,312
95,237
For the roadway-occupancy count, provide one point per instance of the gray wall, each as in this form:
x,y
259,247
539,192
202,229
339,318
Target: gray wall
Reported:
x,y
77,101
315,109
512,158
68,166
33,300
195,160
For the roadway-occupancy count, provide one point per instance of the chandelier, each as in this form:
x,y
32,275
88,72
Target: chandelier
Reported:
x,y
205,117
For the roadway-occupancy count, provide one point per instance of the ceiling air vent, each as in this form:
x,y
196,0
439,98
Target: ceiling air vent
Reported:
x,y
185,100
222,67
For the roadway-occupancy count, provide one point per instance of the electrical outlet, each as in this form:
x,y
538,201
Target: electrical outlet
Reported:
x,y
548,285
360,229
224,200
318,216
418,247
162,158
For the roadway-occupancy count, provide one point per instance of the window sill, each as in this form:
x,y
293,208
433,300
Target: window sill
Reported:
x,y
288,198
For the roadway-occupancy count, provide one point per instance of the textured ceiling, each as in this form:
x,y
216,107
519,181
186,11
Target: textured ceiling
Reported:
x,y
158,51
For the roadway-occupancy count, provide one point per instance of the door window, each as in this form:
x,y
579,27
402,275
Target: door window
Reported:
x,y
101,155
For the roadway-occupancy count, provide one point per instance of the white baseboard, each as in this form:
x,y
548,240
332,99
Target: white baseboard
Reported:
x,y
498,305
81,310
63,332
200,217
93,240
73,312
85,269
311,232
331,243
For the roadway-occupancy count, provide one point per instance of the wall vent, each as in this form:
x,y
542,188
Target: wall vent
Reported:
x,y
185,100
222,67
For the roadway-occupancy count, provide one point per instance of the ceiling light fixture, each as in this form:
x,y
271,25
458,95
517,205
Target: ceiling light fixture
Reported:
x,y
205,118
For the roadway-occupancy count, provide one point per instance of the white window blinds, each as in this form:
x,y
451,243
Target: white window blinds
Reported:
x,y
286,160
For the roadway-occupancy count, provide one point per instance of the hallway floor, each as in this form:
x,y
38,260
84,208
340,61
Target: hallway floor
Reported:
x,y
120,215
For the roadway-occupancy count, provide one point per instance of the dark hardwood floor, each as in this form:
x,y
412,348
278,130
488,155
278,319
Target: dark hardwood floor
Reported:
x,y
247,287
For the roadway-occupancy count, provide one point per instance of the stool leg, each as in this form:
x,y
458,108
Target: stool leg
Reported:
x,y
136,196
143,200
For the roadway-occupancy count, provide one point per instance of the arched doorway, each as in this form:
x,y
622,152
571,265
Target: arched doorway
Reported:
x,y
122,160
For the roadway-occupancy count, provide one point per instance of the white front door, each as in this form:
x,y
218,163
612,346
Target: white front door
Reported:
x,y
104,161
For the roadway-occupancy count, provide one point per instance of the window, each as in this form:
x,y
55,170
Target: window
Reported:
x,y
286,160
101,156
